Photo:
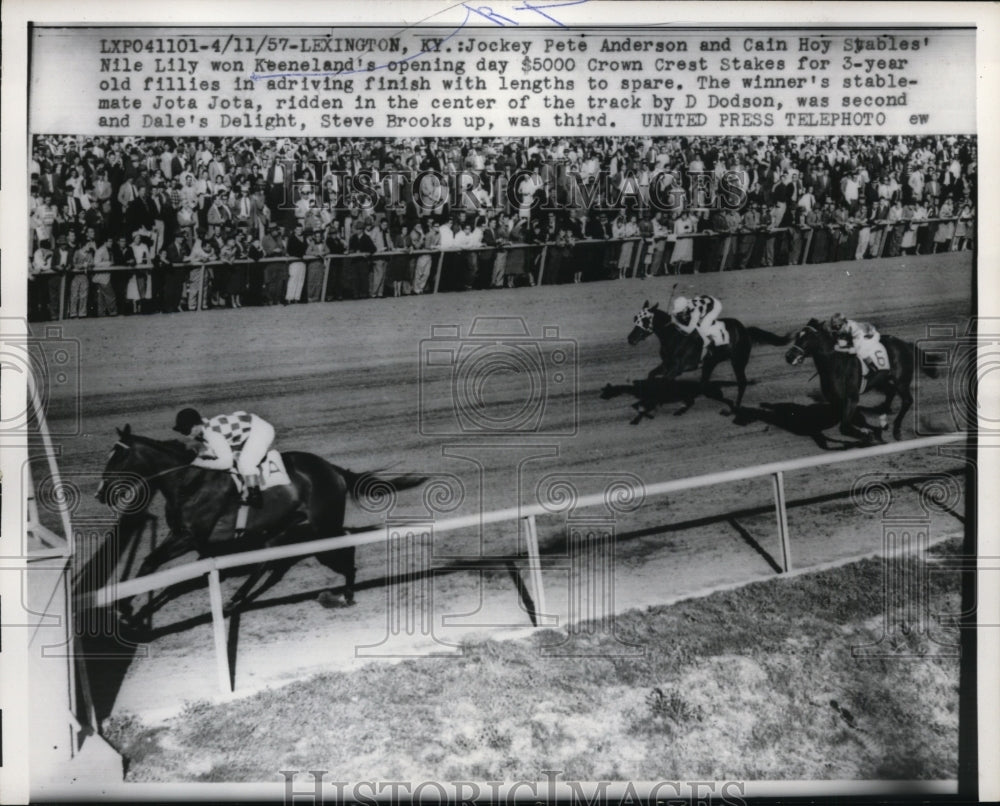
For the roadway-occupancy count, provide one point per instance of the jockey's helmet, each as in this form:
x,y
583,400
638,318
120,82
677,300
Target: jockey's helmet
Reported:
x,y
837,321
680,303
186,420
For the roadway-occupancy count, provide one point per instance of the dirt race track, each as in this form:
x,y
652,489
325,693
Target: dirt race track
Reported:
x,y
346,380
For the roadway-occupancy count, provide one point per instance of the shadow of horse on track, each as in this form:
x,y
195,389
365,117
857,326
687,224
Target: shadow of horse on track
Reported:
x,y
802,420
649,394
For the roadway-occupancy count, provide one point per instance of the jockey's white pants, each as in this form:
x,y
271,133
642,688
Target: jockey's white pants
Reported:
x,y
256,447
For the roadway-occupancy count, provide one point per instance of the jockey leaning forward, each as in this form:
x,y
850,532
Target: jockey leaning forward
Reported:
x,y
243,437
700,313
860,339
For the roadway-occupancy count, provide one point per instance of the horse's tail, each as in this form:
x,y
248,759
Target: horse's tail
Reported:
x,y
760,336
371,488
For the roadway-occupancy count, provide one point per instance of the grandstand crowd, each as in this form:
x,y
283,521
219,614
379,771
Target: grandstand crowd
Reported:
x,y
158,224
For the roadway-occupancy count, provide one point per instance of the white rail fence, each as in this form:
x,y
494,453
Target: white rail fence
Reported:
x,y
211,566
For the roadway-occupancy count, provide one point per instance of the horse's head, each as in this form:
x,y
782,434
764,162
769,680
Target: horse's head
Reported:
x,y
810,340
131,464
643,321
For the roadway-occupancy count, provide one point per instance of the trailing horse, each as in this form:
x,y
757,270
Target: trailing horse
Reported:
x,y
202,505
841,378
680,352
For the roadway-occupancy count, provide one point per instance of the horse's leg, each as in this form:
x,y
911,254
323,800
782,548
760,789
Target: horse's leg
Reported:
x,y
707,368
688,401
340,561
740,370
146,611
169,549
850,415
246,593
241,593
740,359
905,402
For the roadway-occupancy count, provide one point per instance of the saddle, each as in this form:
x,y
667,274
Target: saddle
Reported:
x,y
272,474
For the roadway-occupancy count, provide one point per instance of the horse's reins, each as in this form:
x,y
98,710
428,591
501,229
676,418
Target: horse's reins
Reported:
x,y
154,475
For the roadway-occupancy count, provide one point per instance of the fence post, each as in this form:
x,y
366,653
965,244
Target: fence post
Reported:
x,y
805,249
62,297
326,277
204,285
886,235
535,568
437,276
778,480
541,265
219,631
726,240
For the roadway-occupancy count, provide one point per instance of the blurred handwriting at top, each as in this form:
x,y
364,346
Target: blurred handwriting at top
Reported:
x,y
521,12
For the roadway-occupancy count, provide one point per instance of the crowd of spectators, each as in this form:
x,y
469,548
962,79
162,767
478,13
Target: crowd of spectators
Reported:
x,y
200,221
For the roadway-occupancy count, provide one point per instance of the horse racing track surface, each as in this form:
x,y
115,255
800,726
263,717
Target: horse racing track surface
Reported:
x,y
401,385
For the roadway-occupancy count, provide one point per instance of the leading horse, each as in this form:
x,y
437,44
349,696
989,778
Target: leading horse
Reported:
x,y
202,505
842,383
680,352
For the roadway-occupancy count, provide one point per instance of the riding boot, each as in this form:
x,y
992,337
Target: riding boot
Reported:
x,y
254,496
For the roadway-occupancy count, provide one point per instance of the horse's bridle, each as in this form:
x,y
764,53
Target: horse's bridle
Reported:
x,y
796,346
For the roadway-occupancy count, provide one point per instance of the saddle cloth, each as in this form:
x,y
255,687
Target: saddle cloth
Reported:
x,y
719,333
272,473
877,359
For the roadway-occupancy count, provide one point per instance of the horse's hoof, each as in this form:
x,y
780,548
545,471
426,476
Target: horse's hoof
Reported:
x,y
132,632
333,601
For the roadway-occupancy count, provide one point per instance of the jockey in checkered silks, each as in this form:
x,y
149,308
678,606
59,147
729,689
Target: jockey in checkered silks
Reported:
x,y
700,313
859,338
239,437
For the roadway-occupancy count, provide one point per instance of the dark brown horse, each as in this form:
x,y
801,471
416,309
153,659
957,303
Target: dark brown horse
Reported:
x,y
840,377
680,352
202,505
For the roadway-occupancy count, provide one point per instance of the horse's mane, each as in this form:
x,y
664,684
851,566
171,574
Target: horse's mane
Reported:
x,y
174,447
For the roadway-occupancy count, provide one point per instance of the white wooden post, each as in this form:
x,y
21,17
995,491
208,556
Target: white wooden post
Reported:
x,y
535,568
782,515
219,631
